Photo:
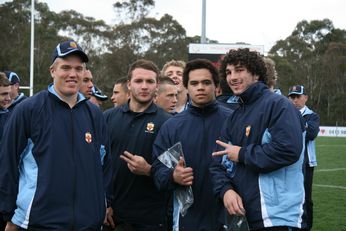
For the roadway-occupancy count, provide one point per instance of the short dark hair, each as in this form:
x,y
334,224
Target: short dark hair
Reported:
x,y
4,81
165,80
251,60
123,82
200,64
145,64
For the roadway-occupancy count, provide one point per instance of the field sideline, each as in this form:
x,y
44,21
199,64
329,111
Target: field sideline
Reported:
x,y
329,186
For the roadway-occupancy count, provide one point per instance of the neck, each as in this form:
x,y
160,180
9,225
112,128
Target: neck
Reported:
x,y
182,99
136,106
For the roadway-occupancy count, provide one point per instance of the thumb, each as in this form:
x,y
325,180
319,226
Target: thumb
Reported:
x,y
181,162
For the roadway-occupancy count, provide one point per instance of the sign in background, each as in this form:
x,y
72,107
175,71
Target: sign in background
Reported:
x,y
332,131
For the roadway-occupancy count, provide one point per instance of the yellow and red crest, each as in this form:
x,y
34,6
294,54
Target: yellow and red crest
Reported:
x,y
150,127
88,137
247,131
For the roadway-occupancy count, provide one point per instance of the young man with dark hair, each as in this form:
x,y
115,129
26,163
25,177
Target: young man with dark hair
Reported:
x,y
298,96
54,156
120,94
86,86
166,95
132,129
259,174
196,128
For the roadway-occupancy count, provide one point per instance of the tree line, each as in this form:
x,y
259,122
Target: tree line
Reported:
x,y
313,55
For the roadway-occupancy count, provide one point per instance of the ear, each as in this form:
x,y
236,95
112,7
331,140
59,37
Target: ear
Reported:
x,y
129,85
256,78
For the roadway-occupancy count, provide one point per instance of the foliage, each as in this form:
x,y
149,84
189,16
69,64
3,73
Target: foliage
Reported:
x,y
314,56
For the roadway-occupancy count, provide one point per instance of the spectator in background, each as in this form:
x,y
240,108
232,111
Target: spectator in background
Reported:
x,y
224,95
87,85
272,75
15,95
120,94
174,70
259,174
54,155
196,128
166,95
5,101
297,94
97,97
132,127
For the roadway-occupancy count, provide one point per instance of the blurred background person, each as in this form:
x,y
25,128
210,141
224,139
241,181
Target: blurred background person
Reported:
x,y
97,97
272,75
87,84
166,95
297,94
121,93
16,96
174,69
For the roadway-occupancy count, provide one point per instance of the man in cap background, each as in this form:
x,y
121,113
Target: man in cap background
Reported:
x,y
15,95
297,94
97,97
55,149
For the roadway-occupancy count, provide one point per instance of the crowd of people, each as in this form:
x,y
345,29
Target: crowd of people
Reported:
x,y
246,161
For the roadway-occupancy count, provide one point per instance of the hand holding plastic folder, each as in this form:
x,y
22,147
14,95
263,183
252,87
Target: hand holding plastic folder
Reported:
x,y
183,194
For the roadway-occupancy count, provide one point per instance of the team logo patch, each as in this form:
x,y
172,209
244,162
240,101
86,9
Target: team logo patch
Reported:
x,y
150,127
247,131
88,137
73,44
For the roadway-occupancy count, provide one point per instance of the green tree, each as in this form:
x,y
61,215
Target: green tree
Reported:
x,y
301,59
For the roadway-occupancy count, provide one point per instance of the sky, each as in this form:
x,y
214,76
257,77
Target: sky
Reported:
x,y
251,21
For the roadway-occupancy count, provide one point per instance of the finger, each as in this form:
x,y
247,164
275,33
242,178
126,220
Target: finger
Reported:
x,y
125,158
223,144
111,222
181,162
241,206
219,153
128,154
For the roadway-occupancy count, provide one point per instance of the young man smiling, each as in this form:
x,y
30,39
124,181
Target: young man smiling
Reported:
x,y
196,128
56,150
260,174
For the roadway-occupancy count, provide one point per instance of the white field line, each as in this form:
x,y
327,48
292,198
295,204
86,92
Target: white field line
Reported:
x,y
329,186
330,170
334,145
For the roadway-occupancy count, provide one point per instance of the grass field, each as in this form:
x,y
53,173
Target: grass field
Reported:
x,y
329,186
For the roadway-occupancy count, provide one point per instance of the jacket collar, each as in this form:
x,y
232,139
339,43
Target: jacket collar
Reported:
x,y
151,109
251,94
208,109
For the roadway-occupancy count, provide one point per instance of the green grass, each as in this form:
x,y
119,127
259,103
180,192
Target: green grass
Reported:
x,y
329,200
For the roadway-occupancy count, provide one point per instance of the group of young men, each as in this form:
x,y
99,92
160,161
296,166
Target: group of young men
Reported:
x,y
65,165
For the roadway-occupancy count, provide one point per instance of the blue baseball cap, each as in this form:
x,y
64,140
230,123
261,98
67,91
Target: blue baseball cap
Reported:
x,y
297,90
13,77
67,48
98,94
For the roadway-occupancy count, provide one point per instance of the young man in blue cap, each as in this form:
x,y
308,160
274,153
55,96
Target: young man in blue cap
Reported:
x,y
297,94
54,154
97,97
15,95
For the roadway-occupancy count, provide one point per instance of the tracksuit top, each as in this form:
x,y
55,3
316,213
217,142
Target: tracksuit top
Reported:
x,y
197,129
4,113
312,125
135,199
268,176
55,158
